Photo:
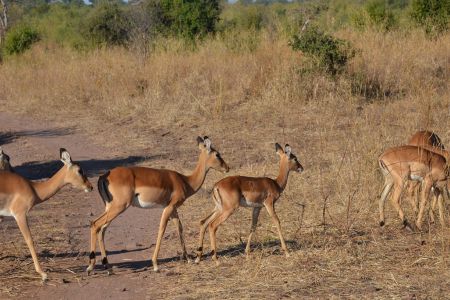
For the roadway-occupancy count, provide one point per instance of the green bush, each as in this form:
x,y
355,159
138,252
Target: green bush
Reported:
x,y
19,39
191,19
328,53
433,15
108,24
380,15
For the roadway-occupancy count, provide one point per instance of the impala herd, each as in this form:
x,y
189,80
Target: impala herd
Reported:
x,y
422,164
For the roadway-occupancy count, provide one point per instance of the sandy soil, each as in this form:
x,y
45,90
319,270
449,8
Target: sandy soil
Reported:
x,y
33,147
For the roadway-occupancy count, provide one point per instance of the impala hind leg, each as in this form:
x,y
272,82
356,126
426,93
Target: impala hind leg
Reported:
x,y
167,212
222,217
177,223
255,216
384,194
99,226
203,225
276,221
22,222
426,188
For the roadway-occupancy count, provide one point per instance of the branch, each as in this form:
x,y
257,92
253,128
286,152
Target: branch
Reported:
x,y
4,18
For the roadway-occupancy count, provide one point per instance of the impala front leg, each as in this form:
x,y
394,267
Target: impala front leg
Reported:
x,y
167,212
276,221
255,215
203,225
177,223
25,230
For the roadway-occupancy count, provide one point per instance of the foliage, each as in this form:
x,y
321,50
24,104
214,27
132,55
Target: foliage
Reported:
x,y
191,19
107,24
433,15
329,53
380,15
19,39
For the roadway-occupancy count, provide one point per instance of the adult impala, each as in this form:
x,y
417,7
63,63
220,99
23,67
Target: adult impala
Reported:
x,y
399,164
18,196
5,164
256,192
420,139
142,187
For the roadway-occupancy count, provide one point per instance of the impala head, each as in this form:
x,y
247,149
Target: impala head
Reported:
x,y
74,175
286,156
213,158
5,165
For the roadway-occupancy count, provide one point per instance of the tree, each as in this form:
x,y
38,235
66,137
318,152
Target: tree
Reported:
x,y
3,20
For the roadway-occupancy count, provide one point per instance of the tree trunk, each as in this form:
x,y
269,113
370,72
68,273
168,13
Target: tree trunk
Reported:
x,y
3,20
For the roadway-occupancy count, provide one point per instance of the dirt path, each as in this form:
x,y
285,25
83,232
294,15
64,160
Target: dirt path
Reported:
x,y
34,146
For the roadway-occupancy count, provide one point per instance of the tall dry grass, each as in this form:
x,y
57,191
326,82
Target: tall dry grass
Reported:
x,y
398,83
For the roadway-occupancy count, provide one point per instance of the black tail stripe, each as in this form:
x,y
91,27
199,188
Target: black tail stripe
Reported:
x,y
103,188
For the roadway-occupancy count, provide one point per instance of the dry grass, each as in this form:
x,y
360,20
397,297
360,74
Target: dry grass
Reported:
x,y
397,84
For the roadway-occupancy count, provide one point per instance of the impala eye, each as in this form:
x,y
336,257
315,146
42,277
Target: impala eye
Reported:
x,y
80,171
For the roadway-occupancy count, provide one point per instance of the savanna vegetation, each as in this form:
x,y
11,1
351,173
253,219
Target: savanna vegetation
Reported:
x,y
340,81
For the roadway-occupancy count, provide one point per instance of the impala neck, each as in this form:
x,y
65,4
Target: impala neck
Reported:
x,y
283,175
47,188
196,179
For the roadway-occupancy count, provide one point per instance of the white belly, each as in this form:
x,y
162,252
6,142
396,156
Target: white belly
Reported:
x,y
141,204
6,213
245,203
416,177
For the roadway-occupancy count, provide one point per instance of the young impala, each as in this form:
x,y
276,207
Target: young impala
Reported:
x,y
5,164
399,164
149,188
421,139
256,192
18,196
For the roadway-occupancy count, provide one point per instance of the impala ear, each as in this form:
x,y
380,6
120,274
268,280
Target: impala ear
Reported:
x,y
65,156
1,151
200,140
279,149
288,150
207,142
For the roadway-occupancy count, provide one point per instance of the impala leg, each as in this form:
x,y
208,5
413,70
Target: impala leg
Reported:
x,y
276,221
177,223
255,216
97,226
434,201
425,194
203,225
101,244
413,195
386,189
167,212
440,201
224,215
22,222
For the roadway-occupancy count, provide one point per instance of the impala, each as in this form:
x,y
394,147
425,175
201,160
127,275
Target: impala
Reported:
x,y
142,187
399,164
420,139
5,164
18,196
255,192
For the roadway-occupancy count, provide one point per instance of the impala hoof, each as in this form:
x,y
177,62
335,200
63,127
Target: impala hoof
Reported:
x,y
44,277
381,223
89,270
197,260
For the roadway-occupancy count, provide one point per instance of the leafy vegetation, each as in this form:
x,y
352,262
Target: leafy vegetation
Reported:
x,y
433,15
19,39
329,53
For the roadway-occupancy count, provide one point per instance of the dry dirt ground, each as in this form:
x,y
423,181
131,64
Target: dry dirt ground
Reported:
x,y
355,260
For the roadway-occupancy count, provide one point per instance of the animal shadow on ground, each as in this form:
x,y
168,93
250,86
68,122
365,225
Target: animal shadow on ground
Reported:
x,y
93,167
11,136
229,252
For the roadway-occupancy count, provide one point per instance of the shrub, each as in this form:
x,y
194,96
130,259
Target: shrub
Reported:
x,y
433,15
191,18
328,53
19,39
108,24
379,15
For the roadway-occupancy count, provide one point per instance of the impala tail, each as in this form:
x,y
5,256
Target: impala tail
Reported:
x,y
103,188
